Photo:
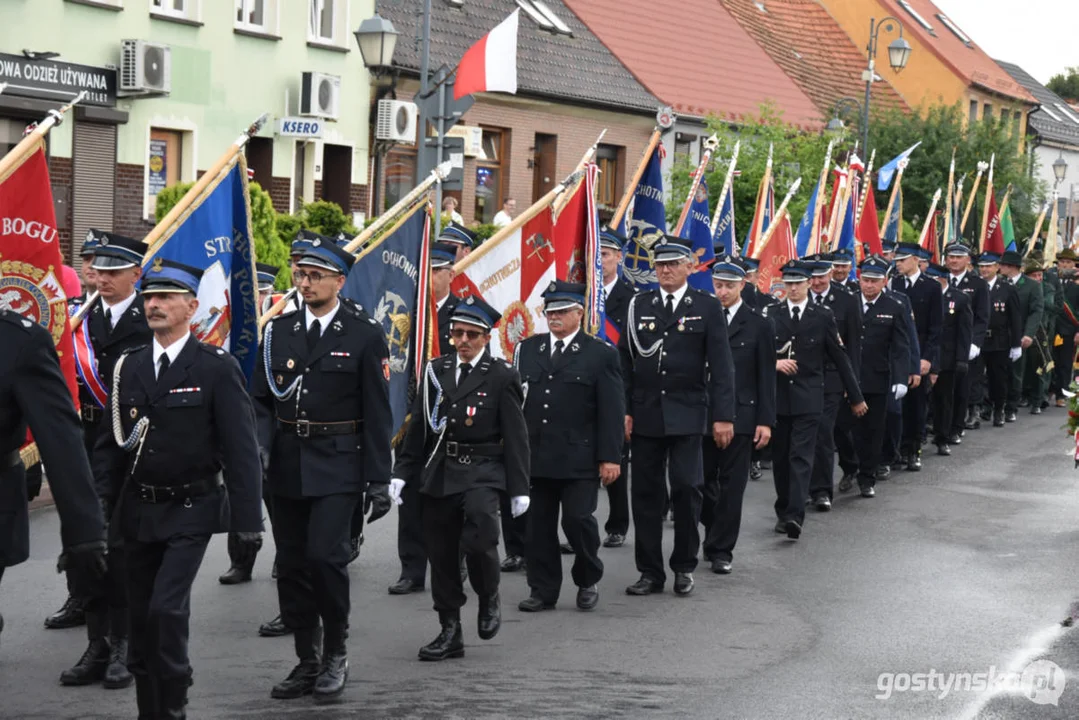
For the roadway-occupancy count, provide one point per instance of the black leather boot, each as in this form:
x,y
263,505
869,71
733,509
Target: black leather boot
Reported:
x,y
92,665
301,681
146,697
243,562
489,619
333,674
172,698
116,674
70,615
449,643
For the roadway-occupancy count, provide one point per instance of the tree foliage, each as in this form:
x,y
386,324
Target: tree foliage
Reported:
x,y
800,154
1066,84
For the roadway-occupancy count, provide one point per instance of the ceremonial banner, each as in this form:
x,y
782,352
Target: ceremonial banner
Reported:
x,y
887,172
805,228
779,250
725,237
386,281
762,214
698,229
576,241
30,258
869,225
1007,228
215,236
511,277
647,226
845,232
891,229
994,238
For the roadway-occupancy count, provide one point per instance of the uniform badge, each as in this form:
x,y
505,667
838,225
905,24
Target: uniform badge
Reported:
x,y
470,412
280,379
159,263
651,326
386,369
681,327
134,413
290,364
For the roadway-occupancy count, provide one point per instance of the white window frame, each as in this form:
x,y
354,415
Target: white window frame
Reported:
x,y
192,10
271,15
340,23
118,4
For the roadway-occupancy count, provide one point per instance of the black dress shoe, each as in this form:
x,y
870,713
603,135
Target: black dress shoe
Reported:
x,y
721,567
91,666
404,586
489,618
644,586
998,419
781,527
587,598
614,540
513,563
955,440
332,676
1035,410
846,482
883,471
273,628
868,492
1010,416
683,583
973,424
235,575
793,529
449,643
1024,403
532,603
914,464
755,472
943,449
565,548
301,681
823,503
70,615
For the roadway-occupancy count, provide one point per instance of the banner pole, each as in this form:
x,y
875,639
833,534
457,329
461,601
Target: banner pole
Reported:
x,y
635,180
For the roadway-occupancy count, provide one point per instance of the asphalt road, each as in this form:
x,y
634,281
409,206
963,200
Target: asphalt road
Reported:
x,y
902,606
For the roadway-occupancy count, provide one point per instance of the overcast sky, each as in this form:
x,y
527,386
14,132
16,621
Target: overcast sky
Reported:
x,y
1041,36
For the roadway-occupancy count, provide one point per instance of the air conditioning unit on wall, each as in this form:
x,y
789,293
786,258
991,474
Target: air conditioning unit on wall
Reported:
x,y
145,67
320,95
397,121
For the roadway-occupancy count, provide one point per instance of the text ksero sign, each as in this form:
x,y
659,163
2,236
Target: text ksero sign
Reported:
x,y
300,127
59,81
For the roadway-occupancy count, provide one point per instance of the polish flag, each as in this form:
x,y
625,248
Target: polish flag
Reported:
x,y
491,64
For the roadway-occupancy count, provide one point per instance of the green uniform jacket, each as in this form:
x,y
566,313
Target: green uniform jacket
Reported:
x,y
1031,305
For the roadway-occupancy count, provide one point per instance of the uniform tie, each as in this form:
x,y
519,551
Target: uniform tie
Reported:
x,y
820,299
313,334
556,356
108,321
795,312
463,372
670,304
163,364
727,312
955,283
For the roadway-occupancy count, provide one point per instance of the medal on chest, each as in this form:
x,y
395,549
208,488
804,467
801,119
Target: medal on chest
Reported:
x,y
470,412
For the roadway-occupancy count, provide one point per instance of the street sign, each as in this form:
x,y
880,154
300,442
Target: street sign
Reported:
x,y
453,150
439,111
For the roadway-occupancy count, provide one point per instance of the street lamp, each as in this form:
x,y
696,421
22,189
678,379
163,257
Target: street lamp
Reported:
x,y
377,39
842,106
898,55
1060,168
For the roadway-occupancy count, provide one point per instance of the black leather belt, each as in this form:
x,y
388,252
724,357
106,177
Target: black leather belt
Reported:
x,y
91,413
154,494
10,460
307,428
464,452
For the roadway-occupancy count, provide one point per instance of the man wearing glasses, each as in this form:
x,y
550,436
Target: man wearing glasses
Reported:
x,y
321,396
466,446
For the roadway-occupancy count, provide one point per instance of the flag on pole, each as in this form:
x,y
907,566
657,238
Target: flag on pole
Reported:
x,y
994,238
887,172
698,230
390,281
869,225
30,282
805,228
725,236
774,255
762,215
215,236
891,228
576,246
845,230
491,64
1007,228
928,241
511,277
647,226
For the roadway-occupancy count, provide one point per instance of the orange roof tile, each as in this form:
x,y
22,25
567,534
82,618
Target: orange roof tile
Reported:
x,y
813,49
694,56
967,60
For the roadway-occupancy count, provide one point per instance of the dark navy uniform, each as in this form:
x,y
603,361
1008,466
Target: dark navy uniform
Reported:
x,y
679,378
617,525
726,471
811,340
575,413
958,322
978,291
1004,334
466,446
180,463
33,392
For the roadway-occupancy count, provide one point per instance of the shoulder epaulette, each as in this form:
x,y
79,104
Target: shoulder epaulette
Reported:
x,y
16,319
213,350
134,349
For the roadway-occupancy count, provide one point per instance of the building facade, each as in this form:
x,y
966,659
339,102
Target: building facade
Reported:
x,y
171,83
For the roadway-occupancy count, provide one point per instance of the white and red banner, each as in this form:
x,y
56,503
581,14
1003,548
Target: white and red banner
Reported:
x,y
30,259
491,64
511,277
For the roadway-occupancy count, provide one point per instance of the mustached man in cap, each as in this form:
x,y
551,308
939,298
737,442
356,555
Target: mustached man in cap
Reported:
x,y
885,367
1031,310
617,292
957,260
955,331
726,471
806,337
836,418
181,422
679,378
574,408
322,399
842,260
466,446
924,295
116,324
1003,340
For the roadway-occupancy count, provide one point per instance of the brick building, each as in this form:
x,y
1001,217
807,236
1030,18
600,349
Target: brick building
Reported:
x,y
570,88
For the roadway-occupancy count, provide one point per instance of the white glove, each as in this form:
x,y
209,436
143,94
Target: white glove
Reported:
x,y
1015,353
975,351
900,391
396,486
519,505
